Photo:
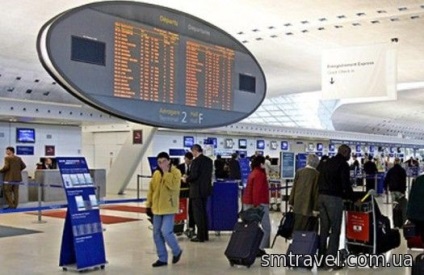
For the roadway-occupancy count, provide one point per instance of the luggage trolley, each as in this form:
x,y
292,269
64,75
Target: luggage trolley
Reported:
x,y
361,225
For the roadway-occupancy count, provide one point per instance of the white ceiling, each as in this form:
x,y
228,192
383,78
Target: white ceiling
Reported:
x,y
286,37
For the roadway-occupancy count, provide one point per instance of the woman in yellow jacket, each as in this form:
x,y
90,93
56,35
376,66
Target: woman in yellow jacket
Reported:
x,y
163,199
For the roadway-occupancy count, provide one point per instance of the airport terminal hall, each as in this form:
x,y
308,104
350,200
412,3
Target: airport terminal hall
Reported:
x,y
212,137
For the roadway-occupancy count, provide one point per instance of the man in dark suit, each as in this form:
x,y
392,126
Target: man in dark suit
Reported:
x,y
185,169
13,165
200,180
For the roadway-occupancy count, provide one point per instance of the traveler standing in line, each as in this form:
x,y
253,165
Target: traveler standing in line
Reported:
x,y
12,177
163,199
370,169
234,166
268,167
395,181
185,169
200,180
219,164
333,187
415,207
304,194
257,193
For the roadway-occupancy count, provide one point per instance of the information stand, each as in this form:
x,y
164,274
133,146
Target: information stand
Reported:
x,y
82,241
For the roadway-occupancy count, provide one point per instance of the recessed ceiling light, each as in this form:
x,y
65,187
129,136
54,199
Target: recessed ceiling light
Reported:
x,y
255,30
321,28
356,24
304,22
18,78
415,17
53,83
338,26
273,36
271,27
10,89
381,11
375,22
394,19
322,19
360,14
402,8
289,33
244,41
287,25
240,33
46,93
304,31
28,91
341,16
37,80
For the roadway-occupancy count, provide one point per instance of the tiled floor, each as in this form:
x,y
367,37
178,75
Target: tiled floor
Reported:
x,y
130,250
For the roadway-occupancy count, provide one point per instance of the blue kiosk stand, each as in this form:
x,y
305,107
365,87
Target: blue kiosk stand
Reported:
x,y
82,241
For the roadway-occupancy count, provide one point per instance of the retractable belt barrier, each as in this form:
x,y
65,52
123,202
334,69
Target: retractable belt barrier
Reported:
x,y
40,207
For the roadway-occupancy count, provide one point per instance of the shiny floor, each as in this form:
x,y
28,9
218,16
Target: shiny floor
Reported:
x,y
130,250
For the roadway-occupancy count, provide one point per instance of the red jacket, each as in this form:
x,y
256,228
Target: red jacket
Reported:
x,y
256,191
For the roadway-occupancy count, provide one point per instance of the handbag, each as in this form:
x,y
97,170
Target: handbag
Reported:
x,y
253,214
285,229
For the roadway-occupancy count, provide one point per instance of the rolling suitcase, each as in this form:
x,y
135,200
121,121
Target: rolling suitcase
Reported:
x,y
244,244
418,265
304,243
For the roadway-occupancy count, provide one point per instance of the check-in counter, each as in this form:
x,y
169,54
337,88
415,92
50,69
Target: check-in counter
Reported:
x,y
23,188
52,187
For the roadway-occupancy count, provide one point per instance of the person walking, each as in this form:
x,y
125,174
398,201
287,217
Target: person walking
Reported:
x,y
333,187
257,194
163,200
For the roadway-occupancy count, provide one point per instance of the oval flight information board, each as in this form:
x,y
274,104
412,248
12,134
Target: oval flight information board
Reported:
x,y
152,65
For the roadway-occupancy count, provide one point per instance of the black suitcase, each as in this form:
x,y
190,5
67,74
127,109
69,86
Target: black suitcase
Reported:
x,y
303,243
244,244
418,265
399,212
387,238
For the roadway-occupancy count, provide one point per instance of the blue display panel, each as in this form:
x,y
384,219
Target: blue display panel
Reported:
x,y
82,240
181,71
188,141
25,150
260,144
284,145
287,165
25,135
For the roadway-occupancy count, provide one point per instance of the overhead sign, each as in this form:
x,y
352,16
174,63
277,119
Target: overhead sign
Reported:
x,y
366,73
152,65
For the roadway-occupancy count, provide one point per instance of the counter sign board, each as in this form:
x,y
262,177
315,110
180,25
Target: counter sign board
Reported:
x,y
152,65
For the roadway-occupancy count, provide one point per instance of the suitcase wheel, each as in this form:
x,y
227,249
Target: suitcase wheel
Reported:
x,y
231,263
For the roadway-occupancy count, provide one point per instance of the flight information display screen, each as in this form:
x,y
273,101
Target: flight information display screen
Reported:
x,y
152,65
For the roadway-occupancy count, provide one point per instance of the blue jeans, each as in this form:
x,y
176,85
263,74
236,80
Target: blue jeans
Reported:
x,y
163,231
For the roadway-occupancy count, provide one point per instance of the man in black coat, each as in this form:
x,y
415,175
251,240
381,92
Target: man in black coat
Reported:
x,y
333,187
370,169
395,180
200,180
